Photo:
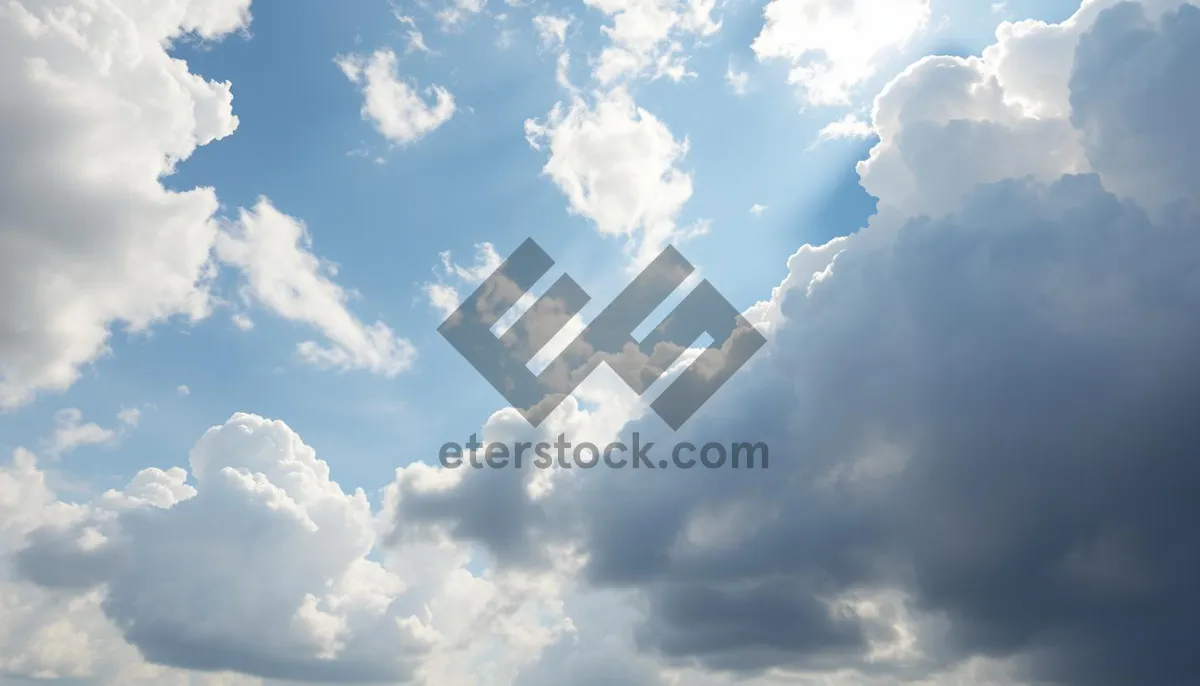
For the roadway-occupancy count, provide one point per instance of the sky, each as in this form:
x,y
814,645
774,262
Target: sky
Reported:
x,y
230,230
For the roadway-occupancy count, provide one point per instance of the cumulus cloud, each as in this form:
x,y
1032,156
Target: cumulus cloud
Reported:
x,y
835,45
1141,155
980,406
95,112
620,167
273,251
42,634
401,111
313,608
252,561
946,127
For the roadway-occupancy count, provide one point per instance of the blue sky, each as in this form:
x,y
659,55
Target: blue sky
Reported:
x,y
474,179
230,229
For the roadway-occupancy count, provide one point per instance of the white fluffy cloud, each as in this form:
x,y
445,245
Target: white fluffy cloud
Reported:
x,y
401,111
41,633
94,113
939,126
949,124
273,251
834,45
619,166
251,561
647,37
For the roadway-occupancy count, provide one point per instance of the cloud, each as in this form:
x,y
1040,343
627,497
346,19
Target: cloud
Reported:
x,y
737,80
414,40
281,620
849,126
948,101
980,409
91,239
445,297
562,75
619,166
757,209
835,45
505,34
40,634
646,37
980,406
95,112
1139,155
274,252
397,108
458,12
242,321
253,562
487,260
70,432
129,416
552,29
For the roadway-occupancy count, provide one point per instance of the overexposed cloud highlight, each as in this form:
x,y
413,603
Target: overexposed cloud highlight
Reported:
x,y
835,45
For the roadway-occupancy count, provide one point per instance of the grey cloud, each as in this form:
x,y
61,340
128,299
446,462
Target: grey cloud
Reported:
x,y
1134,95
990,412
1034,361
490,507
